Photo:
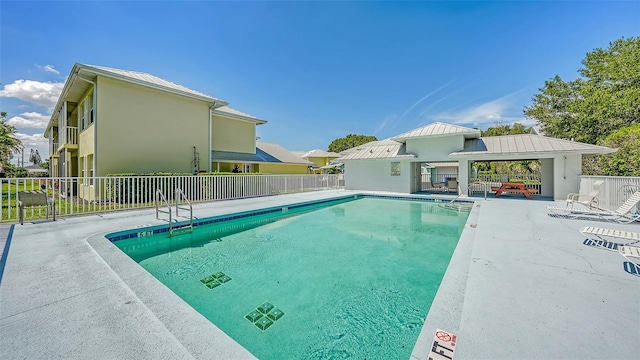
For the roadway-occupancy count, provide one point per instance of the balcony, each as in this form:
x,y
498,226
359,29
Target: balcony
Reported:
x,y
69,138
53,148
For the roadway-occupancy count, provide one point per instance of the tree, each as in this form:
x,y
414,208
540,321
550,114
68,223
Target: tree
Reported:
x,y
502,129
606,97
34,157
350,141
508,167
623,162
9,144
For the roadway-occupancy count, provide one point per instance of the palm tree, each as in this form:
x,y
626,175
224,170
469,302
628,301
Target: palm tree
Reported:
x,y
9,144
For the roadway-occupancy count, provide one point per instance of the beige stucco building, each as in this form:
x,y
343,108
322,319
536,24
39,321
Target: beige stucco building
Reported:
x,y
112,121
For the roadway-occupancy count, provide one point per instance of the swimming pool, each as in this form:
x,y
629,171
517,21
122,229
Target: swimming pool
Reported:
x,y
352,278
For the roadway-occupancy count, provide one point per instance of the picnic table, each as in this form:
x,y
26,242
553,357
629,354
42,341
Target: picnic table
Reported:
x,y
512,187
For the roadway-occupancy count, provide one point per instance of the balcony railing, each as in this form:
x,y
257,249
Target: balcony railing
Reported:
x,y
53,148
71,137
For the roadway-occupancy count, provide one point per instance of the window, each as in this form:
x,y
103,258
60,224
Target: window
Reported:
x,y
90,167
83,167
395,168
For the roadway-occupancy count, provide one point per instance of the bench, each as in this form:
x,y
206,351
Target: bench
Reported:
x,y
35,198
516,188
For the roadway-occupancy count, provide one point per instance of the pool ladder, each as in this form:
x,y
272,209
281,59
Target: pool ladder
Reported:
x,y
484,184
181,199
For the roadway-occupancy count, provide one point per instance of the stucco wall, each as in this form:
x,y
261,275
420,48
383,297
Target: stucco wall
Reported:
x,y
282,169
233,135
86,141
143,130
566,170
376,175
320,161
435,149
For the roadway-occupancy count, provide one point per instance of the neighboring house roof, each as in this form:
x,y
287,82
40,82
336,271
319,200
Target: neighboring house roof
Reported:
x,y
382,149
280,153
233,113
495,146
438,129
265,153
35,169
319,153
299,153
537,130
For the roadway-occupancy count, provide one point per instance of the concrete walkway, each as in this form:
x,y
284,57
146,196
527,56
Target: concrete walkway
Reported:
x,y
521,285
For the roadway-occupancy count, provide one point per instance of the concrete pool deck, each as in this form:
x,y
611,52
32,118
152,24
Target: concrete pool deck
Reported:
x,y
521,285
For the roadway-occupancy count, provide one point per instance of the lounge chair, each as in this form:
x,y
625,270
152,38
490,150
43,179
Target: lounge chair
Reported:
x,y
626,213
628,237
589,200
631,253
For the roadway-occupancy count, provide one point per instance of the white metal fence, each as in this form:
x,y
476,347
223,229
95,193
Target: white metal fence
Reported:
x,y
614,191
100,194
440,182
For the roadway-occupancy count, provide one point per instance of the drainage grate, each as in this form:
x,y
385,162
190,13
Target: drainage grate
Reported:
x,y
215,280
264,315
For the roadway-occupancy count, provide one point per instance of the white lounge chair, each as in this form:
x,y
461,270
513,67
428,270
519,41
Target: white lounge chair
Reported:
x,y
629,237
626,213
589,200
631,253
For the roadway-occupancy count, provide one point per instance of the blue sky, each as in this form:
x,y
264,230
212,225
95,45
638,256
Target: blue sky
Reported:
x,y
316,71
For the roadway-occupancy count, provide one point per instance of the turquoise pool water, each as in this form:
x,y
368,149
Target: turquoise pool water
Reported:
x,y
351,280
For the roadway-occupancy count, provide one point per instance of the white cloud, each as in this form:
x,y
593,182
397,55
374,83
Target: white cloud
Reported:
x,y
384,122
31,120
35,92
34,141
48,68
483,115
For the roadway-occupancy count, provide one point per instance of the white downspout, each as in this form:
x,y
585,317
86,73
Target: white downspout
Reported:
x,y
95,124
210,138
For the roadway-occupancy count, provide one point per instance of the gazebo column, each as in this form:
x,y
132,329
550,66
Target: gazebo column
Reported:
x,y
464,169
546,177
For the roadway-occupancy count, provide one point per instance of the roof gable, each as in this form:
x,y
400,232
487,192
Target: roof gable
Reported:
x,y
438,129
382,149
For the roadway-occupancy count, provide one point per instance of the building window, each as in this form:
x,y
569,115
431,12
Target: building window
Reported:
x,y
395,168
90,168
83,168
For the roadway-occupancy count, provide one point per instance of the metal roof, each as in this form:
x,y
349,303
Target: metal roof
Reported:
x,y
145,79
382,149
76,86
280,153
319,153
438,129
265,153
526,144
236,114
